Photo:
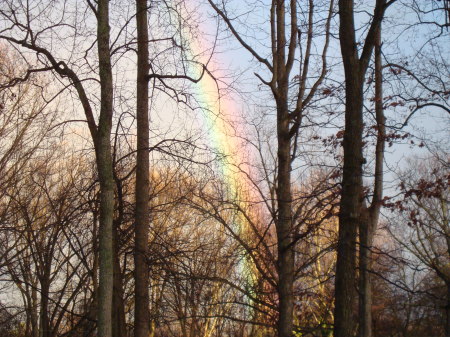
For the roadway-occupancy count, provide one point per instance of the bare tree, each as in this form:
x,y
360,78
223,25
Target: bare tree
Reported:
x,y
18,30
355,67
44,261
284,44
423,206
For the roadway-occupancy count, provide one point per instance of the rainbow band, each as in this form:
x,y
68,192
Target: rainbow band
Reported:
x,y
225,130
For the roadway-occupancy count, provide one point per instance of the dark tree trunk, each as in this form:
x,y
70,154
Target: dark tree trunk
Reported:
x,y
105,174
352,185
141,274
349,212
44,325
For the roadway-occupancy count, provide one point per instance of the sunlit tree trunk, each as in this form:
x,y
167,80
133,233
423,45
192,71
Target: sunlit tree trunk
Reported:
x,y
105,174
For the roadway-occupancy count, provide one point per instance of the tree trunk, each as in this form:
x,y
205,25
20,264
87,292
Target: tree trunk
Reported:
x,y
349,213
141,274
365,286
105,174
284,229
106,260
285,263
44,324
355,68
285,240
351,194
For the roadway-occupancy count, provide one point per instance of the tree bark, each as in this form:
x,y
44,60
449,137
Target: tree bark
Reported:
x,y
285,240
141,274
351,184
105,173
349,215
44,324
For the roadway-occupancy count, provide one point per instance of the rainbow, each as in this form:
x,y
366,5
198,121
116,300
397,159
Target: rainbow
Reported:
x,y
226,131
